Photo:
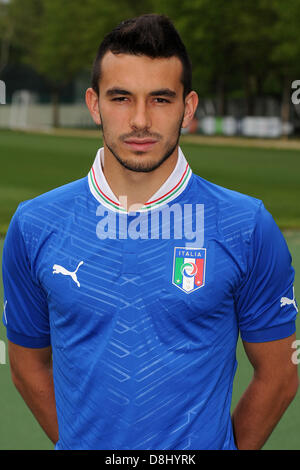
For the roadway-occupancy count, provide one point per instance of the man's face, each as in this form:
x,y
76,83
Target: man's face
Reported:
x,y
141,108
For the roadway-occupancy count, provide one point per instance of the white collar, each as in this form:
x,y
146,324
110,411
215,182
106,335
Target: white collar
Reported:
x,y
171,188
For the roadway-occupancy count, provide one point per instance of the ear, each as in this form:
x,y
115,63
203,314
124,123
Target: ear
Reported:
x,y
190,106
92,102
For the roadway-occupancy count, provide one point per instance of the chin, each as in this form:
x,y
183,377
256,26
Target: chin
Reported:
x,y
142,167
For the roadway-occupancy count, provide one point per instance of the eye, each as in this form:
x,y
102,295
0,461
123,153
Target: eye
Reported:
x,y
120,99
161,100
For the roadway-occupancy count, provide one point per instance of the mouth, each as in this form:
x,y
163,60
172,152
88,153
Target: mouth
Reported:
x,y
140,145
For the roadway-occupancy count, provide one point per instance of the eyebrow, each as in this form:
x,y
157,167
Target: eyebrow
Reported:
x,y
117,91
161,92
164,92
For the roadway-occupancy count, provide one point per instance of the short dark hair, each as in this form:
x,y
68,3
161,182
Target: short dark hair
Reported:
x,y
151,35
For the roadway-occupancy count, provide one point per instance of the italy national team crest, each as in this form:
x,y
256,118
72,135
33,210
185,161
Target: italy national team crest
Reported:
x,y
189,268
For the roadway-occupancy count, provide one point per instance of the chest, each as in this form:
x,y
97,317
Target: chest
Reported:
x,y
160,289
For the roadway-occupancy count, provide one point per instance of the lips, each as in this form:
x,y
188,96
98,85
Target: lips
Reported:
x,y
141,145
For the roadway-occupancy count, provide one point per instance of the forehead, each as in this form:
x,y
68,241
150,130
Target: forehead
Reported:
x,y
131,71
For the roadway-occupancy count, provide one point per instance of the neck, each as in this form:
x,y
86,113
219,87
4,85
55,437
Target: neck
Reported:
x,y
132,188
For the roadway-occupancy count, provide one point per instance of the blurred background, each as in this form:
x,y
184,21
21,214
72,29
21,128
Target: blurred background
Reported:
x,y
245,56
245,136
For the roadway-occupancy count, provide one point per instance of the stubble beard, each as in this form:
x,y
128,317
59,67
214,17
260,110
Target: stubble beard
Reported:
x,y
141,166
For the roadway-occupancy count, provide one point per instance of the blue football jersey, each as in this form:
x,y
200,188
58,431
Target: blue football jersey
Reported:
x,y
143,308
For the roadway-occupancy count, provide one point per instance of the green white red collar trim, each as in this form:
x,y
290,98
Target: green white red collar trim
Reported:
x,y
172,187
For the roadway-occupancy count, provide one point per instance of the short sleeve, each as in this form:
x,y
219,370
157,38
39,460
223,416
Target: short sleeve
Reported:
x,y
265,301
25,314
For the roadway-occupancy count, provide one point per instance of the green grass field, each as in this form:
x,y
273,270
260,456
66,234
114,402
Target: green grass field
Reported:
x,y
32,164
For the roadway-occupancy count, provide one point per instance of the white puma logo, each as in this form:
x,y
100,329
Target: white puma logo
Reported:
x,y
57,269
286,301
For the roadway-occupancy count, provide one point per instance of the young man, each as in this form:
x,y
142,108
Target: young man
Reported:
x,y
139,277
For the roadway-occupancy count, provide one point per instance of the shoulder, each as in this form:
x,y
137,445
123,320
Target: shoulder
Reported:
x,y
232,211
49,213
45,218
221,195
47,203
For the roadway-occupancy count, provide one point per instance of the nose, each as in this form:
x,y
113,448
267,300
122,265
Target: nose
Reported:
x,y
140,118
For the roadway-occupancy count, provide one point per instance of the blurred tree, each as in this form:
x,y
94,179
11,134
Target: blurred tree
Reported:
x,y
6,34
286,51
229,42
252,35
61,40
234,45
